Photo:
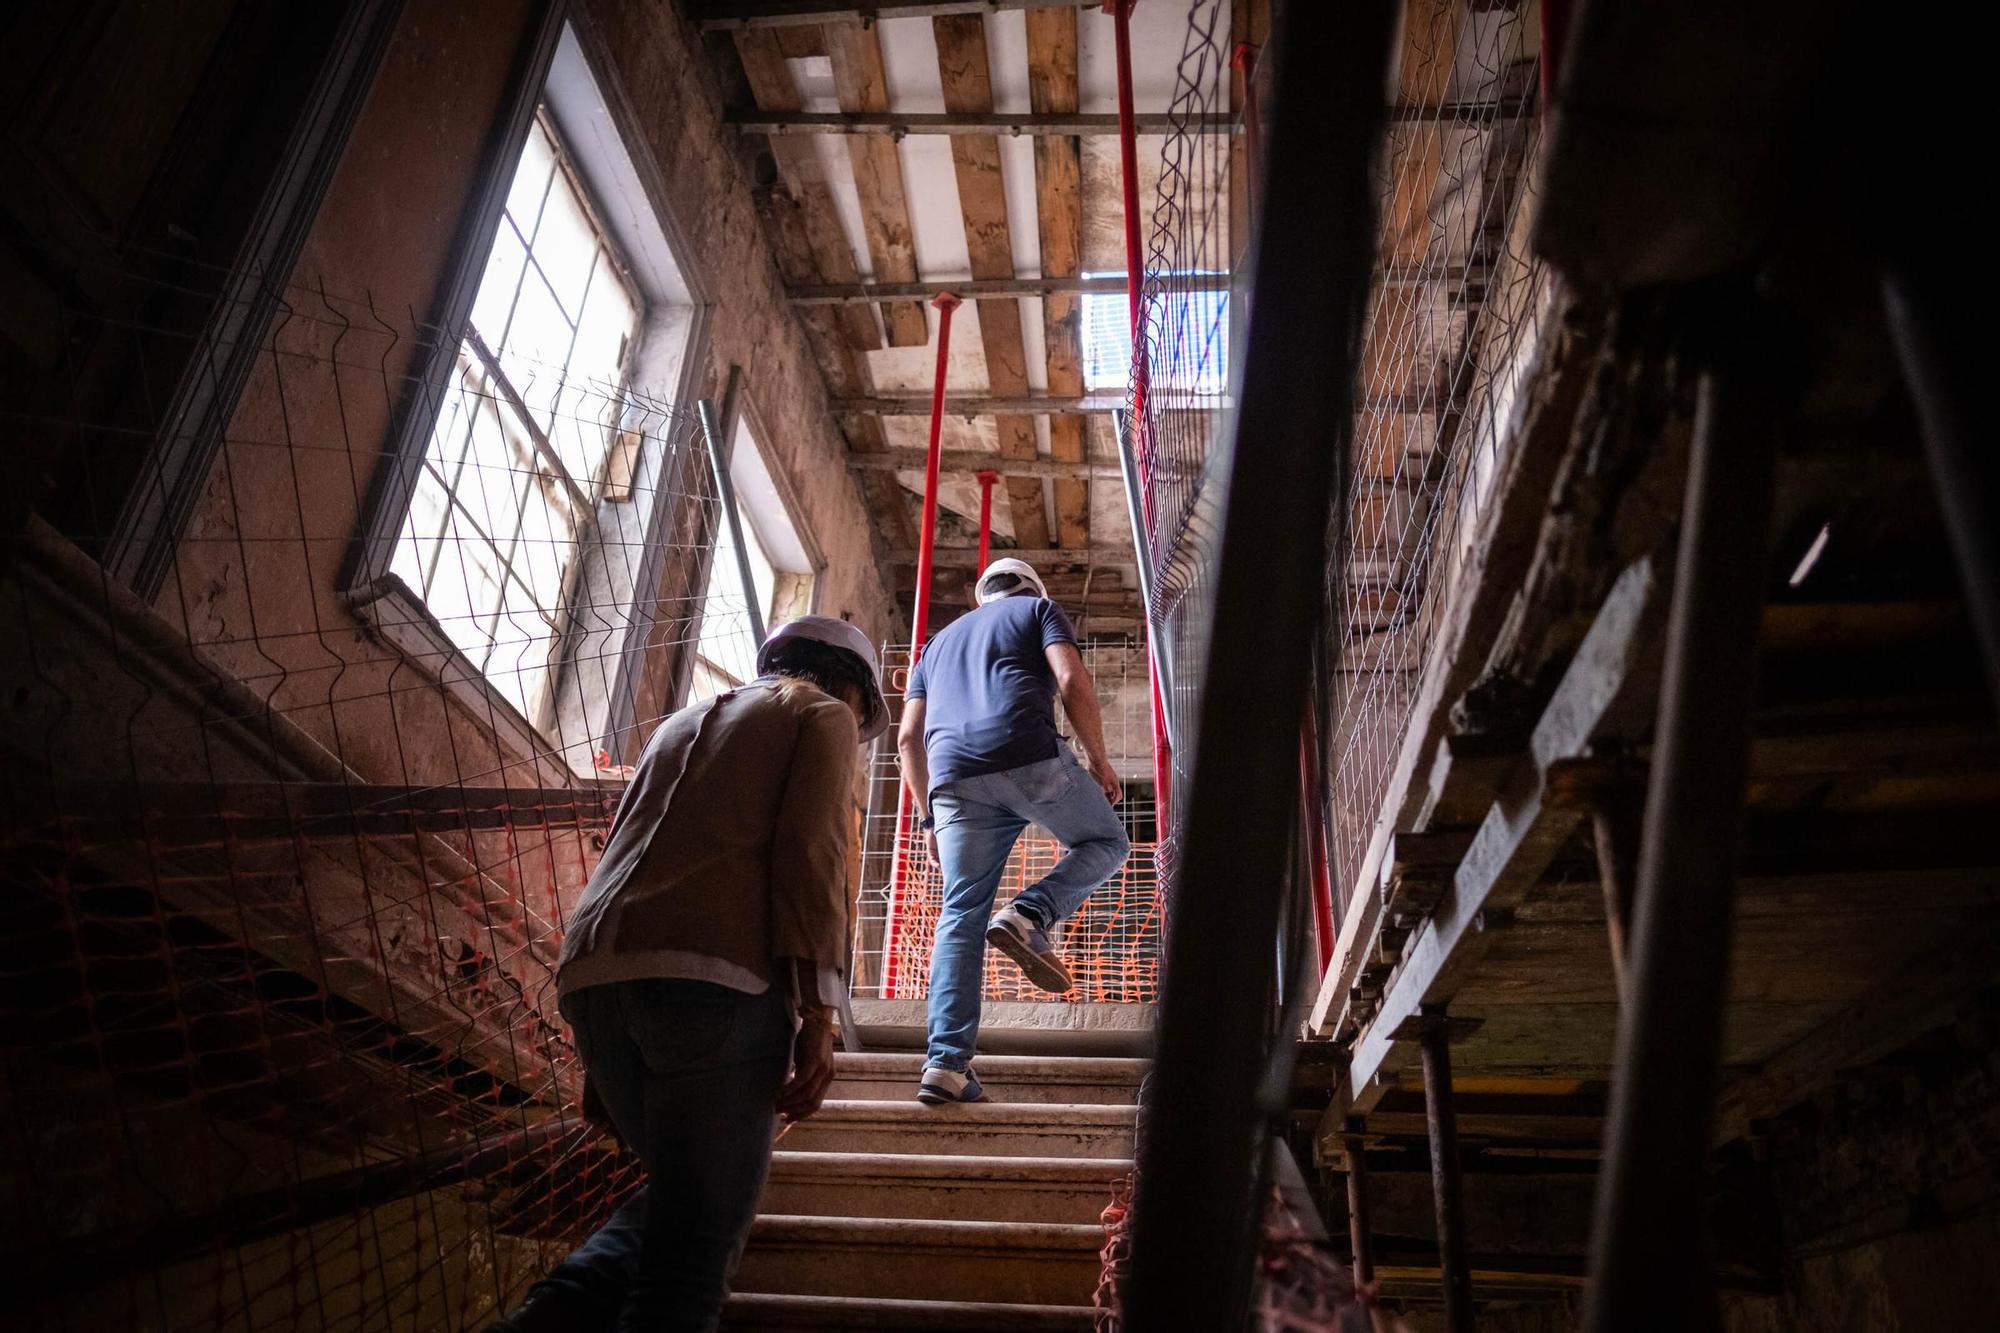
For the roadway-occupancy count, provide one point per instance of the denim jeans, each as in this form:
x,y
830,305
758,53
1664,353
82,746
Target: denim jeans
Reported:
x,y
690,1073
978,821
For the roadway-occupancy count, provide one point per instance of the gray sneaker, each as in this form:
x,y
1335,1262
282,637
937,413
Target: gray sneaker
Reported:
x,y
1014,934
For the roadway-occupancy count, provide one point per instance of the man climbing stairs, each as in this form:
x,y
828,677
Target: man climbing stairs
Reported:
x,y
884,1213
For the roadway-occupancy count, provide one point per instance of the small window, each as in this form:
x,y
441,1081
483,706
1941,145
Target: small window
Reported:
x,y
1192,334
781,568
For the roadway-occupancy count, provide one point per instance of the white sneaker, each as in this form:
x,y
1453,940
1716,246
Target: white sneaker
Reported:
x,y
1013,933
941,1085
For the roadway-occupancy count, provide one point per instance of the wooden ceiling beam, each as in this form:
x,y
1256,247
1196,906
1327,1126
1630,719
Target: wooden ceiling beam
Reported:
x,y
967,557
774,88
1052,90
895,124
986,405
739,15
972,288
860,85
967,80
972,460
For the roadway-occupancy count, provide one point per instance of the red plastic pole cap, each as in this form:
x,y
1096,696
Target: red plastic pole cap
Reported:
x,y
946,302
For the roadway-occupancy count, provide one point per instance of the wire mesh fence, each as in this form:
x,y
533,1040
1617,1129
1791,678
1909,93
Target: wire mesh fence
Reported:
x,y
1111,944
1454,311
293,831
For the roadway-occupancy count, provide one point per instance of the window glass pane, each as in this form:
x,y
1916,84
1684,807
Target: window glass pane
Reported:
x,y
495,302
566,245
537,347
531,181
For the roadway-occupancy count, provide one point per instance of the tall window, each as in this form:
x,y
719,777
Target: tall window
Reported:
x,y
515,469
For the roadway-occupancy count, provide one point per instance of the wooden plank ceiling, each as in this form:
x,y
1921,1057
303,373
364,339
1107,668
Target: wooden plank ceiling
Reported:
x,y
852,212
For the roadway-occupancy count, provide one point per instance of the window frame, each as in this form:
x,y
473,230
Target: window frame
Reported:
x,y
379,597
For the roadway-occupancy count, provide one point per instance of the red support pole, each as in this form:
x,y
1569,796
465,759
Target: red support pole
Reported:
x,y
945,303
1244,61
986,480
1135,276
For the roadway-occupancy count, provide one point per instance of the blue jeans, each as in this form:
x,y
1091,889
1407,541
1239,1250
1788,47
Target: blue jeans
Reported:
x,y
978,820
690,1072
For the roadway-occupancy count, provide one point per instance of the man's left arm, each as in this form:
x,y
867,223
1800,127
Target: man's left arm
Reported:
x,y
809,900
1079,700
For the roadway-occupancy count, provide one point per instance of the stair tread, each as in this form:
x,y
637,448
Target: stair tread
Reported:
x,y
947,1166
891,1312
907,1231
1002,1068
1088,1114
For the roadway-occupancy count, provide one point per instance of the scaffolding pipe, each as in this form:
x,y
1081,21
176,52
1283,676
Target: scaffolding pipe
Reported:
x,y
1447,1182
986,480
1357,1208
1159,667
1648,1266
725,490
1135,276
944,303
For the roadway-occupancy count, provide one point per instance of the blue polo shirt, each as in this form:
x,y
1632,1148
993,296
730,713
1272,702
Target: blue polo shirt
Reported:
x,y
989,695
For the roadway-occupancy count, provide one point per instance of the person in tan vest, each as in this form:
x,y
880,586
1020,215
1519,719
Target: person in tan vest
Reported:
x,y
701,971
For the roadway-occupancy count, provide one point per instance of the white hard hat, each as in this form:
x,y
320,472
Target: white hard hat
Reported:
x,y
1008,565
835,634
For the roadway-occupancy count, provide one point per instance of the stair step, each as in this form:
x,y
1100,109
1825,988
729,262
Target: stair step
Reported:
x,y
1032,1263
893,1076
754,1312
986,1129
942,1187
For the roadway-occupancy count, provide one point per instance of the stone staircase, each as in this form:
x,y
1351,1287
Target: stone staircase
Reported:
x,y
884,1213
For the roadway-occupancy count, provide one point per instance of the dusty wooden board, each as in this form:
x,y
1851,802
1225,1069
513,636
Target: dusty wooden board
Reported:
x,y
1052,87
860,84
774,88
975,159
1605,687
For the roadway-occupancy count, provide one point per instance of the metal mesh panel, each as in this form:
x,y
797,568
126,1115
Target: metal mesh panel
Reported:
x,y
1456,301
287,862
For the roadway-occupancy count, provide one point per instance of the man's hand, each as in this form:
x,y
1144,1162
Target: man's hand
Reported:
x,y
812,1066
1106,778
931,851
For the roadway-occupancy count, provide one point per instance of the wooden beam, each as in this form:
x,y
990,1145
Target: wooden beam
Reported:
x,y
896,124
1052,89
972,405
967,557
774,88
967,81
738,15
968,288
972,460
860,85
1603,692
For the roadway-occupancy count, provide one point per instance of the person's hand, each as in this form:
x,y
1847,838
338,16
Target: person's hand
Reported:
x,y
812,1066
1106,778
931,851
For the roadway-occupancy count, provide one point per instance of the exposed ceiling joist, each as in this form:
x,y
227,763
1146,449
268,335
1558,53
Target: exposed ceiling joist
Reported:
x,y
861,293
896,124
734,15
971,460
966,75
967,557
981,405
1053,90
